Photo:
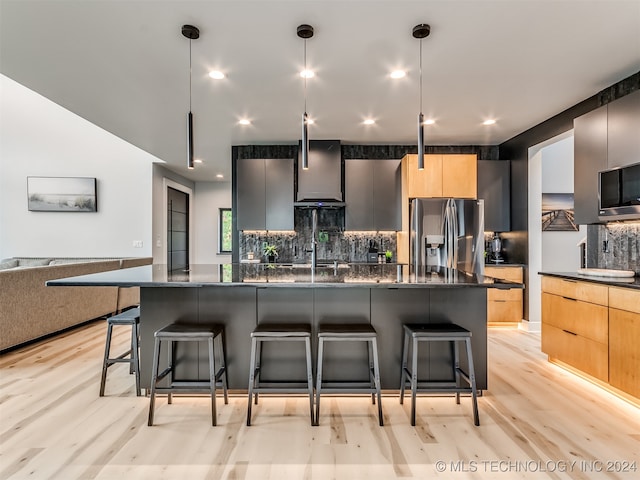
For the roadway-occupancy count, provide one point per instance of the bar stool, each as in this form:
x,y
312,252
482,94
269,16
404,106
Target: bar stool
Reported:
x,y
350,333
437,332
275,332
131,318
182,332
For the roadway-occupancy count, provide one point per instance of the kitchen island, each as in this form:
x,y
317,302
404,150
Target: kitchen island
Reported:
x,y
240,296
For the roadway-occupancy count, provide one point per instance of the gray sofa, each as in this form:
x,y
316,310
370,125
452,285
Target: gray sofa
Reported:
x,y
30,310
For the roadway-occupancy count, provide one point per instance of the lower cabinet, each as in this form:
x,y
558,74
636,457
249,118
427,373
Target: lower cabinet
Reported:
x,y
593,328
504,306
624,337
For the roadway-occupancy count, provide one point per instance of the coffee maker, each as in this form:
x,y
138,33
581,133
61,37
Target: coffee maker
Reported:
x,y
496,249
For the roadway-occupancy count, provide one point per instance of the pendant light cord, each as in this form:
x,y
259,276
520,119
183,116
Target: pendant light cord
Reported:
x,y
420,75
189,75
306,73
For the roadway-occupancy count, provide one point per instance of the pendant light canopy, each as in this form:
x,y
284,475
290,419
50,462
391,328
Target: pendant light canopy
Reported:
x,y
421,31
192,33
305,31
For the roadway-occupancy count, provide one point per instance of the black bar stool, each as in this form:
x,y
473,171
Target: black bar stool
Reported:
x,y
350,333
275,332
130,318
181,332
437,332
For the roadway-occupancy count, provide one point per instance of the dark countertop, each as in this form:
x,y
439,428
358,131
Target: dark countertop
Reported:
x,y
277,275
632,282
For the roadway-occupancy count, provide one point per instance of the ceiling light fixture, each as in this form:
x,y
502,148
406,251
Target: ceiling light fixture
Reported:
x,y
489,122
369,121
307,73
216,74
429,121
421,31
197,160
305,31
244,121
192,33
398,74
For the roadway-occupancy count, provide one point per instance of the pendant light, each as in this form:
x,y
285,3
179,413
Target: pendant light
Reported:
x,y
305,32
192,33
421,31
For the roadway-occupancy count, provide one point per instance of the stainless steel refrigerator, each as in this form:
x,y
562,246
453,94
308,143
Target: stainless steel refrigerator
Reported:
x,y
447,233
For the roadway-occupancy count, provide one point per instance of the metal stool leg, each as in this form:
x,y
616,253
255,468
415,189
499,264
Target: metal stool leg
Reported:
x,y
105,365
319,379
135,356
456,368
307,346
472,379
212,382
170,354
414,379
154,379
223,367
371,372
376,373
252,371
403,366
257,369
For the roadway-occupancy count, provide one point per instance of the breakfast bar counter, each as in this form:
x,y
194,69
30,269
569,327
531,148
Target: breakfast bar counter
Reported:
x,y
239,296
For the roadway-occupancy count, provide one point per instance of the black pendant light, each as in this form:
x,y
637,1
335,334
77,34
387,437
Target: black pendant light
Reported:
x,y
192,33
305,32
421,31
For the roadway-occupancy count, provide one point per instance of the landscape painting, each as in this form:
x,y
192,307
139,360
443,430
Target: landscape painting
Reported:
x,y
557,213
61,194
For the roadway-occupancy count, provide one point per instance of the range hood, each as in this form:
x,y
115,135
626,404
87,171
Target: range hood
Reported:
x,y
322,184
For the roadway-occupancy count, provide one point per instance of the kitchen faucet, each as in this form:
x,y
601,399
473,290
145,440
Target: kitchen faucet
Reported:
x,y
314,243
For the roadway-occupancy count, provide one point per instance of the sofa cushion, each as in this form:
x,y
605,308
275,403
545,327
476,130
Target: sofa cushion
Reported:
x,y
9,263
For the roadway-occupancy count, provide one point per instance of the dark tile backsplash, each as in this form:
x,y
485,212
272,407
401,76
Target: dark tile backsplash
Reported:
x,y
334,243
622,247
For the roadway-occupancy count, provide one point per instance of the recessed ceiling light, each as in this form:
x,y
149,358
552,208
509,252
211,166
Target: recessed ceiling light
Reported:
x,y
310,121
307,74
489,122
429,121
197,160
398,74
219,175
244,121
369,121
216,74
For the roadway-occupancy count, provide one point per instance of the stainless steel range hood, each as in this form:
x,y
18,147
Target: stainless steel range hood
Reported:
x,y
321,185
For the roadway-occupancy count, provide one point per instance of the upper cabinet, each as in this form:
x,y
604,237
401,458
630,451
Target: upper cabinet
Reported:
x,y
494,187
372,194
623,126
323,179
264,194
590,156
443,176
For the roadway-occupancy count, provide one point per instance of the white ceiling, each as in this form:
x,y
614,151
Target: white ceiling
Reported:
x,y
124,65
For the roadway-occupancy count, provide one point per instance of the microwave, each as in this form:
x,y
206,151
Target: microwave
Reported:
x,y
619,192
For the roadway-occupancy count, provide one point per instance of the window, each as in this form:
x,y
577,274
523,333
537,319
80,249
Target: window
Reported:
x,y
224,230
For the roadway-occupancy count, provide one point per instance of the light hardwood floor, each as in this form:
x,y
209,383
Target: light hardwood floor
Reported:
x,y
536,419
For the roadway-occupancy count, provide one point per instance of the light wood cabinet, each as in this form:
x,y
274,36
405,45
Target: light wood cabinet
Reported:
x,y
595,329
575,325
444,176
504,306
624,338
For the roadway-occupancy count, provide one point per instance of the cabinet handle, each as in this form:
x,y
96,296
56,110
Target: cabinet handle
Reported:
x,y
569,298
569,281
571,333
500,301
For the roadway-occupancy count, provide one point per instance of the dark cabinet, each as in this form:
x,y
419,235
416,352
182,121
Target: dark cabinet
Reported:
x,y
264,194
623,126
494,187
590,157
372,194
323,179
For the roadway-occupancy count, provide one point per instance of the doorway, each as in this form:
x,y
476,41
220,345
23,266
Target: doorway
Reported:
x,y
177,229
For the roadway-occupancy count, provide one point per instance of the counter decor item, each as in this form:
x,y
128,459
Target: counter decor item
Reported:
x,y
271,252
388,255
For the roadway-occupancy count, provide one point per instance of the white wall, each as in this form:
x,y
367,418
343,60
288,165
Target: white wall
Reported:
x,y
559,250
40,138
210,196
535,237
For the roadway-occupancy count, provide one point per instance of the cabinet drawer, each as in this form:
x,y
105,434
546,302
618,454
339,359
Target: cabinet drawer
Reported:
x,y
588,292
624,299
579,352
504,311
624,356
513,274
580,318
513,295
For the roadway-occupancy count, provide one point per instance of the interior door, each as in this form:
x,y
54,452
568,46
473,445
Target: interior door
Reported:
x,y
177,229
